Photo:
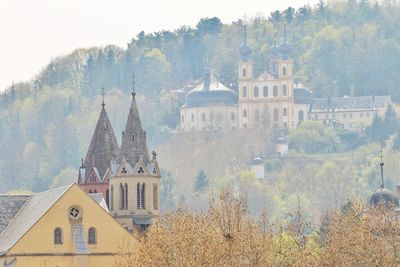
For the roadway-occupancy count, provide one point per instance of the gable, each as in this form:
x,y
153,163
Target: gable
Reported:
x,y
110,233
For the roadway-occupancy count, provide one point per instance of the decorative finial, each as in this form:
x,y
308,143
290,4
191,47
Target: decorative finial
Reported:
x,y
207,74
382,164
245,34
83,164
102,94
285,33
154,154
133,84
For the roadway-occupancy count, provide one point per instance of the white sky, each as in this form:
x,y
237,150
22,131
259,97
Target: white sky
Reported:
x,y
32,32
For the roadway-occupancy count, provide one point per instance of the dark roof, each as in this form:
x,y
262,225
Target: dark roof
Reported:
x,y
302,95
9,207
384,196
103,146
212,94
350,103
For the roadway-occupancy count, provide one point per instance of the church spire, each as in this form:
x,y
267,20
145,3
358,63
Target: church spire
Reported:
x,y
103,147
133,145
102,95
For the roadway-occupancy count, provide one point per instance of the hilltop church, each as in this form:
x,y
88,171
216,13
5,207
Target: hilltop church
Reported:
x,y
271,99
126,175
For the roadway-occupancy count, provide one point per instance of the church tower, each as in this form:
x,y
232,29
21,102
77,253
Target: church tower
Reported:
x,y
93,174
245,81
135,181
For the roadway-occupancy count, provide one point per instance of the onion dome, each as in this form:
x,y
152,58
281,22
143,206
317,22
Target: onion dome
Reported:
x,y
384,196
245,50
285,49
211,93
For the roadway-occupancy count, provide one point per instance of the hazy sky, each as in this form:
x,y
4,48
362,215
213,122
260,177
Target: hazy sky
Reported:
x,y
35,31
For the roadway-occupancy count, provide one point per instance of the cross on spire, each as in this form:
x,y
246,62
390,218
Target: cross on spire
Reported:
x,y
102,94
382,164
133,84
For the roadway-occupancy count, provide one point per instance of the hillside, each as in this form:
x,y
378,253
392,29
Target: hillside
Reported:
x,y
341,48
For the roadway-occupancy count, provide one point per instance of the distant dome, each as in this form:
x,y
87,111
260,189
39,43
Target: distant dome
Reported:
x,y
245,51
210,93
384,196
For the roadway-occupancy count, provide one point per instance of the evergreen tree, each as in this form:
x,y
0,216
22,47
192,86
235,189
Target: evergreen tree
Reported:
x,y
201,182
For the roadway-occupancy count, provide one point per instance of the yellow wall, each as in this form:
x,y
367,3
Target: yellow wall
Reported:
x,y
39,239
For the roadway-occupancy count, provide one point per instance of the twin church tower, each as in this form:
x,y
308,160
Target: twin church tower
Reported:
x,y
126,175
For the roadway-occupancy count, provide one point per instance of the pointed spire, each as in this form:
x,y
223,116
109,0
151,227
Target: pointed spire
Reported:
x,y
382,164
245,34
133,143
103,147
245,50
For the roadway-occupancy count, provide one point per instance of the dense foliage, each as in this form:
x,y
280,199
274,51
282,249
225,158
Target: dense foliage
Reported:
x,y
226,236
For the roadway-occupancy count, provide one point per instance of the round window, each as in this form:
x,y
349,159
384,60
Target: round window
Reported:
x,y
74,213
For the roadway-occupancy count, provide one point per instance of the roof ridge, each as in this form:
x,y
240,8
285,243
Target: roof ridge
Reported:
x,y
53,189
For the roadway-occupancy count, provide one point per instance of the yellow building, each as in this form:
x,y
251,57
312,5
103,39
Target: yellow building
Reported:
x,y
61,227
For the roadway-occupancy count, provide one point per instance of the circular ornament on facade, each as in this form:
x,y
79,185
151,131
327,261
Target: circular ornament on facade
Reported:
x,y
74,213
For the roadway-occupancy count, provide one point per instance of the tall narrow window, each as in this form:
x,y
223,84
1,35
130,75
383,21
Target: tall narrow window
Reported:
x,y
92,239
265,91
143,195
112,198
276,115
245,113
121,197
233,116
203,117
108,198
284,71
138,196
284,111
133,137
58,236
126,196
244,91
244,72
183,119
275,89
284,90
155,197
192,117
301,116
256,91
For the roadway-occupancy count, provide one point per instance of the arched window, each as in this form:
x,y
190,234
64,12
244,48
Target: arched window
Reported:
x,y
275,89
58,236
276,115
192,118
301,116
265,91
95,191
133,137
90,191
211,116
284,111
121,197
143,195
284,71
92,239
284,90
126,196
203,117
155,196
244,91
138,196
108,198
256,91
256,115
233,116
244,113
244,72
112,198
183,119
